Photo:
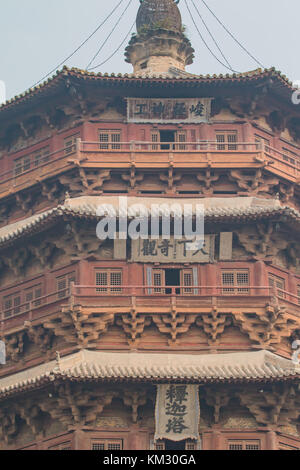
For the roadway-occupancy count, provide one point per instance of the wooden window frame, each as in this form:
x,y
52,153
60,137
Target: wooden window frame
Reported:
x,y
41,156
244,444
259,139
184,275
159,279
32,296
180,140
109,287
110,143
238,287
67,278
277,283
21,165
32,160
179,143
15,308
290,156
70,143
227,144
107,444
155,139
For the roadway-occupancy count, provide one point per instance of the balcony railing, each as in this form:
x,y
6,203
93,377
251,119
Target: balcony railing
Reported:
x,y
144,146
184,291
166,290
121,296
155,154
28,309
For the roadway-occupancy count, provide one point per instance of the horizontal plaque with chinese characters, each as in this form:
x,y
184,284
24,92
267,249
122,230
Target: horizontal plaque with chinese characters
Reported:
x,y
171,110
177,412
173,251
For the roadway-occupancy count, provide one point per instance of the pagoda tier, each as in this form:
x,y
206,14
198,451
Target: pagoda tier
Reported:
x,y
96,333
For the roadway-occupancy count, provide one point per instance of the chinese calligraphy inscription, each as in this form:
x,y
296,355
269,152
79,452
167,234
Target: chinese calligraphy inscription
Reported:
x,y
172,110
173,251
177,412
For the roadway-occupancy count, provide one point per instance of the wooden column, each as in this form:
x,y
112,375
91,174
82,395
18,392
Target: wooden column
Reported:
x,y
80,442
271,440
260,277
216,440
136,439
211,278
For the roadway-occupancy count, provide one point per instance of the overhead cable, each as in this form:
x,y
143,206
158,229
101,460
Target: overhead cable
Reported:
x,y
116,50
205,43
79,47
211,35
110,34
232,36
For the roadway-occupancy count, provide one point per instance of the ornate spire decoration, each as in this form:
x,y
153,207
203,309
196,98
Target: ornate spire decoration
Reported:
x,y
160,43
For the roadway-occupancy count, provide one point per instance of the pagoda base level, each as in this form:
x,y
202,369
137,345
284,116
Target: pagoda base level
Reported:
x,y
123,418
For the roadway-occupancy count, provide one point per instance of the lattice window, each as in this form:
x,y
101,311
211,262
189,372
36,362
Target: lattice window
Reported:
x,y
244,445
191,445
41,156
235,282
158,279
21,165
180,139
35,159
107,444
262,142
242,279
290,156
187,280
110,281
160,445
110,139
278,285
155,137
33,295
12,305
70,143
226,140
63,284
193,135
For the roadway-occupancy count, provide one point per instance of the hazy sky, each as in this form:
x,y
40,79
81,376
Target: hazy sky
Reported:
x,y
37,35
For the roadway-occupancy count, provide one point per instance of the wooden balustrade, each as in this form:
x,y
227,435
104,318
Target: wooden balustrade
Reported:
x,y
155,155
149,296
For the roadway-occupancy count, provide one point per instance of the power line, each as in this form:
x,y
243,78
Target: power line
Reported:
x,y
205,43
212,37
233,37
79,47
118,48
110,34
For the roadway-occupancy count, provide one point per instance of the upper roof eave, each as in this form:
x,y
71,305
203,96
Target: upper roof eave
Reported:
x,y
100,366
251,209
113,79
